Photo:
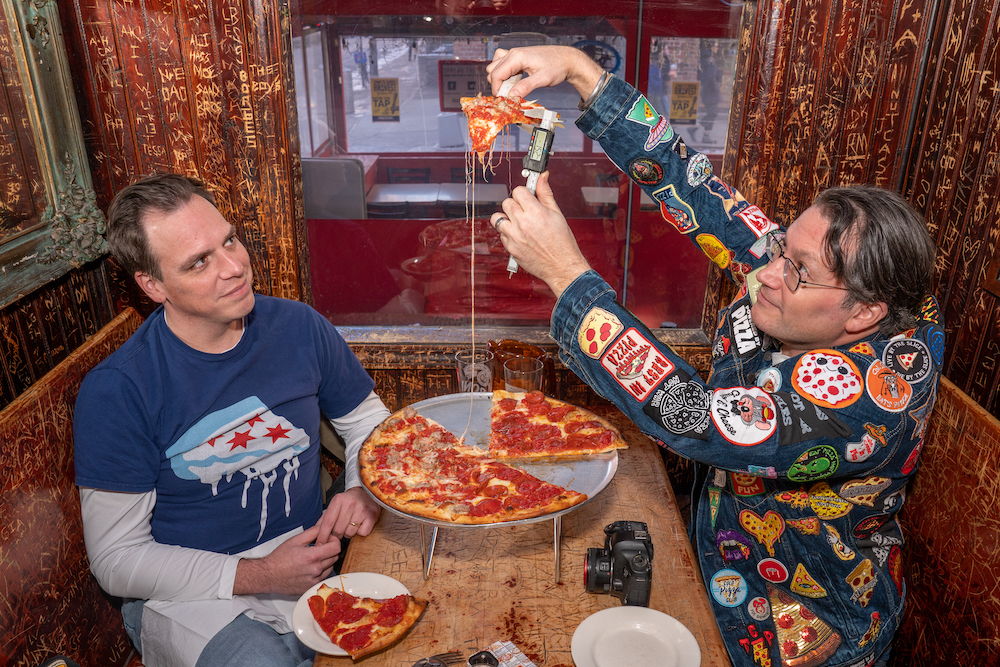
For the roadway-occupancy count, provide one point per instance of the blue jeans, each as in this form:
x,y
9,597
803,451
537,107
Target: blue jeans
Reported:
x,y
243,643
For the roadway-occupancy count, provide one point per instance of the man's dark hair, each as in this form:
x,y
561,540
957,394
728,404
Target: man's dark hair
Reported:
x,y
878,245
160,193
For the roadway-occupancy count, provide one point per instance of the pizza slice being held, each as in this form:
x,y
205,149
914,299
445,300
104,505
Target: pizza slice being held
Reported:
x,y
532,425
362,626
489,115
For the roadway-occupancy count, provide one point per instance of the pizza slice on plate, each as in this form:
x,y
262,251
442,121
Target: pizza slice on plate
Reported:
x,y
362,626
532,425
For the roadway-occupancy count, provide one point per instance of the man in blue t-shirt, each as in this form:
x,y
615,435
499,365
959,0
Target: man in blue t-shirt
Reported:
x,y
824,373
198,448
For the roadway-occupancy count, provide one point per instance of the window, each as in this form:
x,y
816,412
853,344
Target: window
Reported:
x,y
398,227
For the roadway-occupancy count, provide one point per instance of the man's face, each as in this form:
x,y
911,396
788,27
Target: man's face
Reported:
x,y
206,276
811,317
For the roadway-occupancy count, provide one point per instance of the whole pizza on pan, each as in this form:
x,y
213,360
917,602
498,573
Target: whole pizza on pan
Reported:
x,y
414,465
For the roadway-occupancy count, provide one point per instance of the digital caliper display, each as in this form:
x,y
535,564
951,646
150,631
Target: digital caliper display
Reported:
x,y
538,151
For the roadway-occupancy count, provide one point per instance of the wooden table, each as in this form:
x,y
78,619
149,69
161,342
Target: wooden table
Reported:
x,y
489,584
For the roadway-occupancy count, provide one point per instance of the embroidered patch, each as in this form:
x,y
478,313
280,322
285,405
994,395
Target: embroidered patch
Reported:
x,y
758,644
869,526
827,378
889,391
929,310
857,452
772,570
877,432
756,221
911,461
746,485
767,529
935,341
862,580
805,639
908,358
742,329
598,329
681,407
699,169
804,584
715,249
769,380
800,420
864,491
714,497
873,630
827,504
798,498
636,364
759,609
744,415
728,588
862,348
675,210
646,171
842,551
721,347
642,112
807,526
732,545
895,567
763,471
814,463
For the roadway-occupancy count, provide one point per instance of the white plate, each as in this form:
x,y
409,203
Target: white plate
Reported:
x,y
359,584
633,637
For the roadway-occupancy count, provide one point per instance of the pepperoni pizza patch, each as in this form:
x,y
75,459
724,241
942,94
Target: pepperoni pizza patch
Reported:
x,y
597,331
862,579
828,378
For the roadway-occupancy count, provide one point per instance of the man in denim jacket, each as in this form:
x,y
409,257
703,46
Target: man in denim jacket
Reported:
x,y
824,374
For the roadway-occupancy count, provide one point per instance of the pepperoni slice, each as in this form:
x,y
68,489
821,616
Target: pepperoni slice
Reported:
x,y
355,639
484,507
391,612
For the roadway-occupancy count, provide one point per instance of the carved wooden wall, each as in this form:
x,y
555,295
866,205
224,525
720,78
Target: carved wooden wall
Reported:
x,y
201,88
903,95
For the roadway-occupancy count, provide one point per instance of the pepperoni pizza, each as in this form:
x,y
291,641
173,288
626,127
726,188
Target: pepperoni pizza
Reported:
x,y
362,626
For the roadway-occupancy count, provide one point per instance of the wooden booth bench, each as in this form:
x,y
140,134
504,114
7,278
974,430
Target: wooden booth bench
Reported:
x,y
951,524
51,603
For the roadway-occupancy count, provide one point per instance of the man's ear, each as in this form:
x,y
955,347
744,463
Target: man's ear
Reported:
x,y
866,316
151,286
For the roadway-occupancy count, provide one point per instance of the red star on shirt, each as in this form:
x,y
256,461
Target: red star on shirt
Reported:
x,y
277,432
240,440
254,420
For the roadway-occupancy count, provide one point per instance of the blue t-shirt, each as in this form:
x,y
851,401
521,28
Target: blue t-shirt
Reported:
x,y
230,442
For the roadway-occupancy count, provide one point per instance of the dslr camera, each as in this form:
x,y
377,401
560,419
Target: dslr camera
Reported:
x,y
624,567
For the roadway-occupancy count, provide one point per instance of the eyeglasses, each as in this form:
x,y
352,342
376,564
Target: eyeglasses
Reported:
x,y
793,279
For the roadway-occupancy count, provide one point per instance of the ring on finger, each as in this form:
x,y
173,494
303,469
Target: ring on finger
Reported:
x,y
355,524
496,225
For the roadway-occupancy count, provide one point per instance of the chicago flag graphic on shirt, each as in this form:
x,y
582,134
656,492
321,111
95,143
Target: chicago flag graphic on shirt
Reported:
x,y
244,440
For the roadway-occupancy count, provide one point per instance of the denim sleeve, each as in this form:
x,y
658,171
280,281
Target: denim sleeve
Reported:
x,y
775,434
731,231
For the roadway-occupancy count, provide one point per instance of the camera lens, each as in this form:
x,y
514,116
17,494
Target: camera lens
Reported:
x,y
597,572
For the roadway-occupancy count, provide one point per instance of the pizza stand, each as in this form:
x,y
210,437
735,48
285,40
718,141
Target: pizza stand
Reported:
x,y
469,414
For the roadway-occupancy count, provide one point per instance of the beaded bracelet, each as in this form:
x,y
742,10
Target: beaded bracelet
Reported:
x,y
584,104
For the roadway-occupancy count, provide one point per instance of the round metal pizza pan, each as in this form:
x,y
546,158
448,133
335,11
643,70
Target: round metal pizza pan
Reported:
x,y
469,413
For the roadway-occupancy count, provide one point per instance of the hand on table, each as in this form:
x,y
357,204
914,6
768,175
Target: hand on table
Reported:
x,y
535,233
544,66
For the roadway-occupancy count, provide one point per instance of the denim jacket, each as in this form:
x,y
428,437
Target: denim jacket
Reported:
x,y
802,462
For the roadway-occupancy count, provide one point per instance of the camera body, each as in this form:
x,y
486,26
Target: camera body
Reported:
x,y
624,567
